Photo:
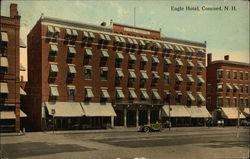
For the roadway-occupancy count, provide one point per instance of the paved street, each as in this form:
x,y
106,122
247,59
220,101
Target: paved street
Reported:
x,y
127,143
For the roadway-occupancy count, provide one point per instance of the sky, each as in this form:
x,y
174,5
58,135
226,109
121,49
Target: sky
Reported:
x,y
226,32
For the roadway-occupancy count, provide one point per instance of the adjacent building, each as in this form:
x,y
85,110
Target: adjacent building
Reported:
x,y
10,91
94,76
228,88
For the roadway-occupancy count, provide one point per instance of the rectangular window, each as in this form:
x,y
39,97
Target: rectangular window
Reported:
x,y
178,80
132,94
132,74
241,75
178,98
4,91
200,54
219,102
155,60
4,64
229,87
190,64
200,67
104,95
88,93
104,73
155,77
190,80
235,102
219,87
247,102
200,98
144,94
119,93
155,94
235,75
167,61
53,70
200,81
228,102
54,91
219,74
228,75
241,104
246,89
209,102
53,50
247,76
88,72
119,74
209,88
88,53
236,88
71,51
166,79
241,89
167,47
71,70
71,92
167,96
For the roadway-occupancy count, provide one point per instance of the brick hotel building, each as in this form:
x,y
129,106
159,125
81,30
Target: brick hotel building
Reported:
x,y
10,90
228,88
93,76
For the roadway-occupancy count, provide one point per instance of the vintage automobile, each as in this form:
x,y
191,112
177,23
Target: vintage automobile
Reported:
x,y
158,126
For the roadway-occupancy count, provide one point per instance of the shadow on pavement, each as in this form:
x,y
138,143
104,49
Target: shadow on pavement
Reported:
x,y
27,149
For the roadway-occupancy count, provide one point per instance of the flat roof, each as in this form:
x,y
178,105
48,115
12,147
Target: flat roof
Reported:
x,y
230,62
110,30
188,42
131,26
76,24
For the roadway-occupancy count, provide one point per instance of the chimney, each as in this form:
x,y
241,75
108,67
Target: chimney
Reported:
x,y
103,24
226,57
13,10
209,58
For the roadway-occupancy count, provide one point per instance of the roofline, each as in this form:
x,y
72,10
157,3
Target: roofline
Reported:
x,y
136,27
188,42
230,63
75,23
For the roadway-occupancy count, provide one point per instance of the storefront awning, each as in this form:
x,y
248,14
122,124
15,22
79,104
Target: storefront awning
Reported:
x,y
197,111
22,92
22,114
176,111
231,113
246,112
65,109
7,115
98,109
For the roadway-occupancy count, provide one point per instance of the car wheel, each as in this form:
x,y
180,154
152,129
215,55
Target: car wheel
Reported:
x,y
146,129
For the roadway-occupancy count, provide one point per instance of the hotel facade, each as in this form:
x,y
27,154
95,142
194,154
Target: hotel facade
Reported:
x,y
96,76
228,89
10,90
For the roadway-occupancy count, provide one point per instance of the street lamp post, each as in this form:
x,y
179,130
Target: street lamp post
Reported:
x,y
238,115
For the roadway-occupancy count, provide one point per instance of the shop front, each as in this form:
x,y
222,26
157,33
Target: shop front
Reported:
x,y
178,115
